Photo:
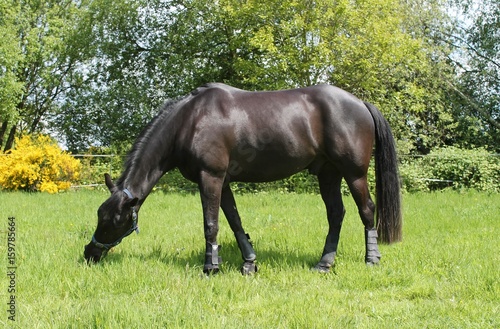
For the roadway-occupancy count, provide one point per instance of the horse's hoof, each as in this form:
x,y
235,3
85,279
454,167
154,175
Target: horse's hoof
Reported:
x,y
371,261
249,268
320,268
211,269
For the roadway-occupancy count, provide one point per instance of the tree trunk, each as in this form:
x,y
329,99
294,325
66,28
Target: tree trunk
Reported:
x,y
2,131
10,140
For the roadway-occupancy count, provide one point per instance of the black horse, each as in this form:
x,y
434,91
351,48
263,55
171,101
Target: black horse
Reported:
x,y
219,134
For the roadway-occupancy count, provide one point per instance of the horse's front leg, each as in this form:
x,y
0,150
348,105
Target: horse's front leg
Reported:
x,y
210,192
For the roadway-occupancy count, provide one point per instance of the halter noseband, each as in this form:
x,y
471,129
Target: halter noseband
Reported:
x,y
135,227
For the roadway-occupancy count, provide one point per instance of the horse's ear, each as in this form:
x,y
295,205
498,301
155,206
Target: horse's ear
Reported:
x,y
109,183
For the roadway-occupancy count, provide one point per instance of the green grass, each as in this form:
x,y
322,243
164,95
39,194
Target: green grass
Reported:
x,y
443,275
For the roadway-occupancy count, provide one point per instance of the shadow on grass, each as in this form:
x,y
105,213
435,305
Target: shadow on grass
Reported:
x,y
231,257
185,258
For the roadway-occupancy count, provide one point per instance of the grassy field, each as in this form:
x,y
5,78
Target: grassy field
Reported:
x,y
445,274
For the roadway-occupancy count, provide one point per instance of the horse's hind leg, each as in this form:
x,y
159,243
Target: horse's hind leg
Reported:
x,y
228,206
366,208
329,184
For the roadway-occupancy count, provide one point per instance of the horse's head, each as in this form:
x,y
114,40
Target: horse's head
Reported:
x,y
117,218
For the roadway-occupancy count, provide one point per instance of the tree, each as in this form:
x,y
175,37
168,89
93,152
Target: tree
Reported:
x,y
47,47
477,40
375,49
380,50
121,93
10,87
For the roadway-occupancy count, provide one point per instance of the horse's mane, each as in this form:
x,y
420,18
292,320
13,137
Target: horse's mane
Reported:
x,y
165,114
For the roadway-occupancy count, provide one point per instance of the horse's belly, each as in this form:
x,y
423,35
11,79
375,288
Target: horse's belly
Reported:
x,y
265,166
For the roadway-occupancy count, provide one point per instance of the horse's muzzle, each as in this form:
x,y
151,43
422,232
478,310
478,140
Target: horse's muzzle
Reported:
x,y
92,253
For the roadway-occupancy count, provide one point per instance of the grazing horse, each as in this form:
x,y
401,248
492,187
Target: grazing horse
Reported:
x,y
219,134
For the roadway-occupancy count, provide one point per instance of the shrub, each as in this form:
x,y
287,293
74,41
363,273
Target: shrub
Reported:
x,y
475,169
413,175
38,164
453,167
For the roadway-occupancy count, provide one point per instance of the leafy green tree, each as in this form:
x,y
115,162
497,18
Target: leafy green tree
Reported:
x,y
95,72
380,50
477,39
10,87
376,49
45,49
121,93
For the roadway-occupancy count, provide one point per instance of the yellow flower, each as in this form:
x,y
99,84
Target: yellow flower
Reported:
x,y
38,164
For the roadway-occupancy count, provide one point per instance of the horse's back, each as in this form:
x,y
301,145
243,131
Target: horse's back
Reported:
x,y
267,135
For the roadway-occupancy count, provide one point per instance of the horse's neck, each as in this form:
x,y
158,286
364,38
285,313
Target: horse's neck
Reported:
x,y
140,184
146,169
153,156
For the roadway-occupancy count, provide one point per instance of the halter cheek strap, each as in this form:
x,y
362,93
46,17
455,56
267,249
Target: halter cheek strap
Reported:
x,y
127,192
135,227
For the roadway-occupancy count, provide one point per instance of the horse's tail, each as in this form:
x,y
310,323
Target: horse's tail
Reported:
x,y
389,217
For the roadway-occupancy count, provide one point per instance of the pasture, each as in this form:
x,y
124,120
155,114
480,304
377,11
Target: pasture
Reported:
x,y
445,273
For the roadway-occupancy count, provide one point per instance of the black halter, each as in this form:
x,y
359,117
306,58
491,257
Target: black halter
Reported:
x,y
135,227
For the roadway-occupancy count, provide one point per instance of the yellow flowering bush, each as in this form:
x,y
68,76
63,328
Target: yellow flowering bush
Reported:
x,y
38,164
